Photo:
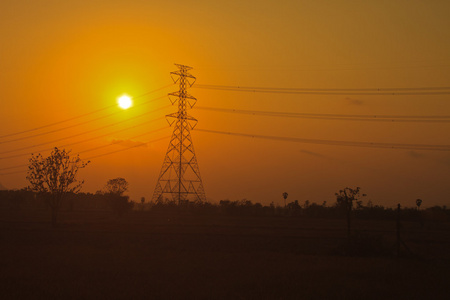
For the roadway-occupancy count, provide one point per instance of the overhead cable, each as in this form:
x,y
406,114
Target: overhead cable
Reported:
x,y
310,91
73,143
91,157
344,117
82,123
426,147
92,149
86,114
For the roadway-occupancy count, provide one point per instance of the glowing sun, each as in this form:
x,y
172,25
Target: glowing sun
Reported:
x,y
124,101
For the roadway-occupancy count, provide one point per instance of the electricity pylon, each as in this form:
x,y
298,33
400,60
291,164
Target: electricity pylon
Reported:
x,y
179,178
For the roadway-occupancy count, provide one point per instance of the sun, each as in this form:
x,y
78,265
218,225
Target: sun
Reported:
x,y
124,102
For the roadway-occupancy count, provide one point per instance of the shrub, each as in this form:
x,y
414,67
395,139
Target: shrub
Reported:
x,y
119,204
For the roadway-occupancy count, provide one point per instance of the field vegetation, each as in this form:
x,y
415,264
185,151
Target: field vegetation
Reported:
x,y
229,250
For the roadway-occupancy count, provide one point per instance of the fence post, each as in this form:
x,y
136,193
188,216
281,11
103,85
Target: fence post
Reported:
x,y
398,230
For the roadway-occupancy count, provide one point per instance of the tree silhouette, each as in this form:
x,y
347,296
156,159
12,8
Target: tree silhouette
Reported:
x,y
418,203
116,186
115,189
55,176
306,204
142,203
345,199
285,195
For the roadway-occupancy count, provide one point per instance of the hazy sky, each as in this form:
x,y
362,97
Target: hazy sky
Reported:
x,y
63,59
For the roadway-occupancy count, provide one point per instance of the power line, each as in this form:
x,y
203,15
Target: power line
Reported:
x,y
68,137
13,167
86,132
12,173
336,143
83,115
354,92
82,123
382,118
96,156
133,137
57,123
439,88
74,143
113,152
92,149
75,125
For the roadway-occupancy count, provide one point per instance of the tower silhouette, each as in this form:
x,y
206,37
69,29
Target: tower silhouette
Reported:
x,y
179,178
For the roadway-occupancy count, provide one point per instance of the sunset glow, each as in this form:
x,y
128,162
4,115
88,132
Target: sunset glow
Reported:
x,y
321,166
124,102
313,72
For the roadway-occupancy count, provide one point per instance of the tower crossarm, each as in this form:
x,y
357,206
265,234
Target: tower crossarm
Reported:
x,y
179,95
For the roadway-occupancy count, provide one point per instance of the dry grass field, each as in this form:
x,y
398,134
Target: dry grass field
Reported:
x,y
179,255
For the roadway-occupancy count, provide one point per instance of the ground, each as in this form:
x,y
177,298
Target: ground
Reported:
x,y
180,255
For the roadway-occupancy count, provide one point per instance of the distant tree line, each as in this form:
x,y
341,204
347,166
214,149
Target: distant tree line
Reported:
x,y
119,204
54,186
25,199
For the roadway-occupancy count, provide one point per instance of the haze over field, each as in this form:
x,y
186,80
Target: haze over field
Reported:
x,y
64,59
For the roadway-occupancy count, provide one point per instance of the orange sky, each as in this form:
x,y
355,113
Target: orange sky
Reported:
x,y
62,59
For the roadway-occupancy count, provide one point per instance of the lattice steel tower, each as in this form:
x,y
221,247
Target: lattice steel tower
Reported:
x,y
179,178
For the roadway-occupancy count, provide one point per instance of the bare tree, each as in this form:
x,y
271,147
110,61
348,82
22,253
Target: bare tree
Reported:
x,y
55,176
